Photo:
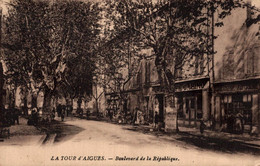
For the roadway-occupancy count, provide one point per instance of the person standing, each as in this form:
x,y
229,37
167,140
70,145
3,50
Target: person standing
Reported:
x,y
62,115
156,121
202,126
68,110
134,118
53,113
156,115
59,110
16,115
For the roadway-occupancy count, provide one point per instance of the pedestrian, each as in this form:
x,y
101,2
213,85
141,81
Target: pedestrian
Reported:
x,y
67,110
202,126
135,116
53,113
25,110
11,116
16,115
109,114
62,115
35,116
156,121
239,125
59,109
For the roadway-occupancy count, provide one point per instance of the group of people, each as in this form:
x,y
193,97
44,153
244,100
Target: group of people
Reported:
x,y
62,110
9,116
34,117
234,123
138,118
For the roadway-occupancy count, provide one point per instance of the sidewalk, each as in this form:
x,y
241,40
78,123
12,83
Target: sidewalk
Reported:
x,y
23,134
211,140
245,137
47,134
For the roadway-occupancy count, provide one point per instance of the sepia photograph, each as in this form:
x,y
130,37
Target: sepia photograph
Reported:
x,y
130,82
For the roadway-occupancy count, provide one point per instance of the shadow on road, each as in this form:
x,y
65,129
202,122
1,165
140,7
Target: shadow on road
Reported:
x,y
62,131
217,144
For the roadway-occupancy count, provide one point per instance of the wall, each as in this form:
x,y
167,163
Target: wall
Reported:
x,y
237,48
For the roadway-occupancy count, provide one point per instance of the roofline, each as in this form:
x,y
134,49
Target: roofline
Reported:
x,y
191,79
237,80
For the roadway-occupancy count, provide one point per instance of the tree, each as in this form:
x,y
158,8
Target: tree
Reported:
x,y
117,64
179,29
78,25
176,30
50,45
26,39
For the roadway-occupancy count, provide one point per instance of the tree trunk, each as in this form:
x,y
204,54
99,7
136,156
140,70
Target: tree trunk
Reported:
x,y
167,80
47,106
79,102
68,100
12,98
25,102
34,100
97,107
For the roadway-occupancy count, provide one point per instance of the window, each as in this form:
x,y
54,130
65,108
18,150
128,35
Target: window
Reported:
x,y
199,102
192,103
187,106
227,104
247,98
225,99
247,108
237,103
230,99
180,107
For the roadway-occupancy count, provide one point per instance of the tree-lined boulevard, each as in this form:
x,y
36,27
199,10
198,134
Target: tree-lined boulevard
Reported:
x,y
61,58
89,139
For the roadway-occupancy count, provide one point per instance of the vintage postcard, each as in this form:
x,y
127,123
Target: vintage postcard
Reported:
x,y
130,82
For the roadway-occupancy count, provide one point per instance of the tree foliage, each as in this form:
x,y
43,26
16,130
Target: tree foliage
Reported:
x,y
176,30
50,45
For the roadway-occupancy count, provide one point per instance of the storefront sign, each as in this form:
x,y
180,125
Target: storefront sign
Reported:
x,y
236,87
189,86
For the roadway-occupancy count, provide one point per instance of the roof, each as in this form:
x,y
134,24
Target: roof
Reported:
x,y
192,79
237,80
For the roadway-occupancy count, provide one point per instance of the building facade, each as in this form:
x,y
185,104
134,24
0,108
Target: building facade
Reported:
x,y
237,66
221,89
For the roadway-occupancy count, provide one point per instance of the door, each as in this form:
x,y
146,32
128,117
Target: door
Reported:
x,y
161,107
190,109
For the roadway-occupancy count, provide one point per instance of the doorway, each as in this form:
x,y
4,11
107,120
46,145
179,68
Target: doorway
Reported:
x,y
190,109
160,98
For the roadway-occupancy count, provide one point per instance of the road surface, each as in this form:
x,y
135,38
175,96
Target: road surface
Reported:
x,y
101,143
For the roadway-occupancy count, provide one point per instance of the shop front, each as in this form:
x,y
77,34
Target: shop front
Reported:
x,y
192,102
237,105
